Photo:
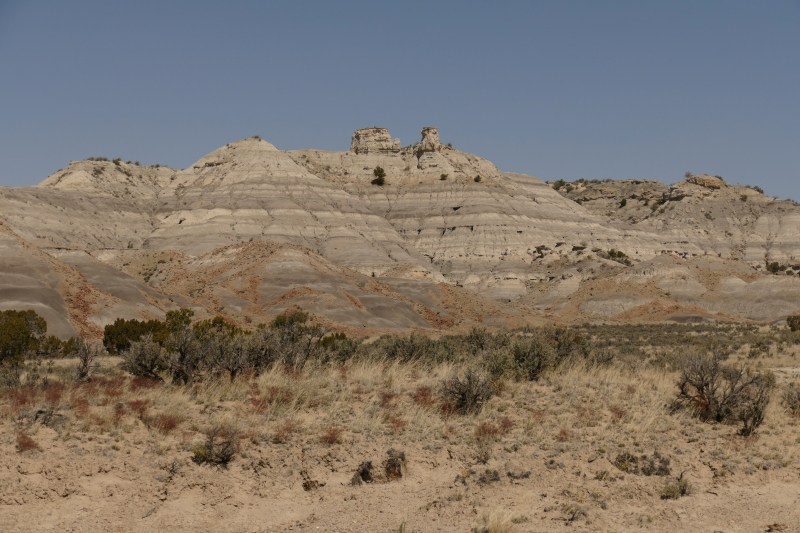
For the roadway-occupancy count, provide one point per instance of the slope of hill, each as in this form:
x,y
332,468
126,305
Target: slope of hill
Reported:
x,y
448,240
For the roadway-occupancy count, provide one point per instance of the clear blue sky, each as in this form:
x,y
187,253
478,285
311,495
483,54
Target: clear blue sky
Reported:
x,y
560,89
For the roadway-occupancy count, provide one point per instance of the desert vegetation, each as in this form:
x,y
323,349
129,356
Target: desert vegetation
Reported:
x,y
608,414
380,176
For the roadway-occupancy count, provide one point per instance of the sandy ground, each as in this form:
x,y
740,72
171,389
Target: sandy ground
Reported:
x,y
539,457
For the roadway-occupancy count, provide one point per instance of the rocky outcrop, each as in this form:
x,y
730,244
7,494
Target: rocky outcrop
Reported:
x,y
143,240
374,140
706,181
430,141
701,215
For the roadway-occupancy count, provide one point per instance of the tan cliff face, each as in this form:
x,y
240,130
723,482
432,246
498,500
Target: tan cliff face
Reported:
x,y
375,140
143,240
702,215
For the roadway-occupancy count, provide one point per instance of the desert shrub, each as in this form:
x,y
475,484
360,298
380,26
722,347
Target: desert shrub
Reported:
x,y
536,350
296,337
183,350
724,393
144,358
477,179
443,177
117,337
673,491
623,202
479,341
87,357
220,447
793,322
225,347
20,332
533,355
494,523
791,399
338,348
406,349
776,267
468,392
618,256
183,355
380,176
393,466
52,347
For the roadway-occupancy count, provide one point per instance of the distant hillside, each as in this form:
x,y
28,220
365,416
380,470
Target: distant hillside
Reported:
x,y
447,241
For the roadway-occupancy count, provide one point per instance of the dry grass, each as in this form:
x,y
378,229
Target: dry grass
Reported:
x,y
575,419
606,409
25,443
495,522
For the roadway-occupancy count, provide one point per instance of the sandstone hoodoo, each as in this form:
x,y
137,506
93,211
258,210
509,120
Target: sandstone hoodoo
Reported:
x,y
249,231
430,141
374,140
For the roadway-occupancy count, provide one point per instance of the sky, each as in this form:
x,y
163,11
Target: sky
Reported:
x,y
554,89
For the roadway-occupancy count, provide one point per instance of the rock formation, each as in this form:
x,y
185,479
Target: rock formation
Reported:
x,y
430,141
374,140
249,231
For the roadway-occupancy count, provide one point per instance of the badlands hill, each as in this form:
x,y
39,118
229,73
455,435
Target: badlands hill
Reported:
x,y
448,241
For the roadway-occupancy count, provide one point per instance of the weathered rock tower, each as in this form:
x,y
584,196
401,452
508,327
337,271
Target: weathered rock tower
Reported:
x,y
374,140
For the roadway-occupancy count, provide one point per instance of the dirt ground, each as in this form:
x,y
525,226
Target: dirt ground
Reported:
x,y
570,452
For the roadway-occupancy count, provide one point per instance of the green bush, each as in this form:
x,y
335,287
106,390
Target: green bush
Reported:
x,y
533,355
443,177
20,332
618,256
623,202
793,322
776,267
477,179
144,358
117,337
